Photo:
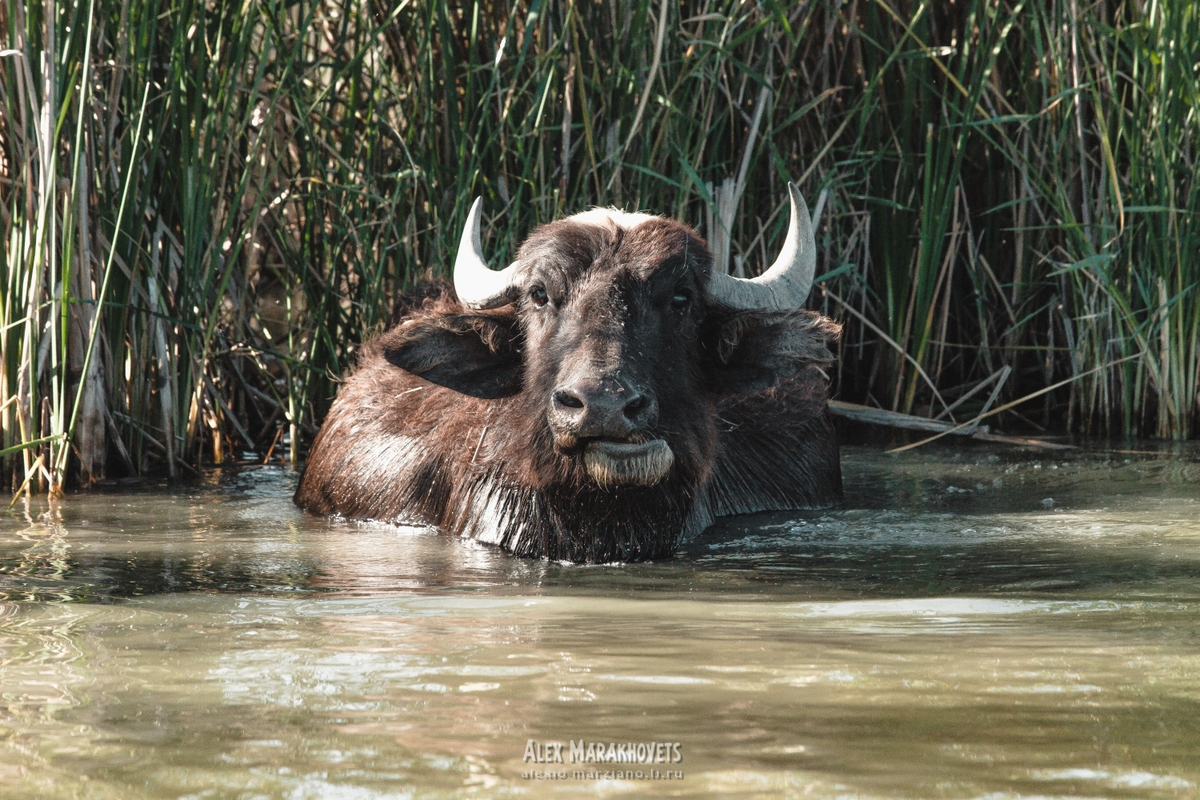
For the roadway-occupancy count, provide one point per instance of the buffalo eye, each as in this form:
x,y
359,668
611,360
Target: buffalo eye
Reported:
x,y
538,296
681,299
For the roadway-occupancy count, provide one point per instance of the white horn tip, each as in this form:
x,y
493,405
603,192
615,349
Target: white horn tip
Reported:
x,y
477,285
784,286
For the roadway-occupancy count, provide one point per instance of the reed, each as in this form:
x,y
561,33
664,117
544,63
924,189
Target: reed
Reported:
x,y
206,206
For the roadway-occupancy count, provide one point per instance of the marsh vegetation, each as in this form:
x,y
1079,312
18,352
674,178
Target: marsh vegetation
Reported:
x,y
206,205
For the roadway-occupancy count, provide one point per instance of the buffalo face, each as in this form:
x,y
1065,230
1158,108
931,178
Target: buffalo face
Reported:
x,y
611,319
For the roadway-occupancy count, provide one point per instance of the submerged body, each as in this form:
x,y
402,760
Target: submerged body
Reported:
x,y
600,399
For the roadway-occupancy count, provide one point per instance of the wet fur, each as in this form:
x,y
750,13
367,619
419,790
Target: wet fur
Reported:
x,y
444,421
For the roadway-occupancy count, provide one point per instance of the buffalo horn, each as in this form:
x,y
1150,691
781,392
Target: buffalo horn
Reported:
x,y
476,285
783,287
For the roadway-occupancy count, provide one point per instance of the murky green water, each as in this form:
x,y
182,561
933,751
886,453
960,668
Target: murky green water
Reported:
x,y
973,624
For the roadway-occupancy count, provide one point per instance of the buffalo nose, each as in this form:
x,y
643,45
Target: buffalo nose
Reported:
x,y
601,408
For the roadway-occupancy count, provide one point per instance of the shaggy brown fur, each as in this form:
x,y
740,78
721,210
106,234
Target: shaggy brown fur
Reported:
x,y
448,418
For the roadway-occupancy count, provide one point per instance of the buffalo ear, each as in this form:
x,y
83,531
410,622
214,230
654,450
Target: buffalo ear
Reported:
x,y
749,351
477,354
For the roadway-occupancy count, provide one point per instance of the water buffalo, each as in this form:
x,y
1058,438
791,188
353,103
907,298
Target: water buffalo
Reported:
x,y
604,396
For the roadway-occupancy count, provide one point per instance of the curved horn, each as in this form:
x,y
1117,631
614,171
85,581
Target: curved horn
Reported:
x,y
476,285
783,287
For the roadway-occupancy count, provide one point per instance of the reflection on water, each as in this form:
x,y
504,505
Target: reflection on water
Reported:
x,y
972,624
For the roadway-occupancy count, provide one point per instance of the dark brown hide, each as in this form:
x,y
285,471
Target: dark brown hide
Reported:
x,y
468,420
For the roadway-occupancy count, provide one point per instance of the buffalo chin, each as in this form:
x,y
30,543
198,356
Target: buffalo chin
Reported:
x,y
624,463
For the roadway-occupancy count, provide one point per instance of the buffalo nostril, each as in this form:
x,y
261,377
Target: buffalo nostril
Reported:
x,y
567,399
635,406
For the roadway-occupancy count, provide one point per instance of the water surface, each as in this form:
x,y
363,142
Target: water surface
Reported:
x,y
974,623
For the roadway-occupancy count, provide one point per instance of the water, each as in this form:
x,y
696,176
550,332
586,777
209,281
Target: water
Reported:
x,y
975,623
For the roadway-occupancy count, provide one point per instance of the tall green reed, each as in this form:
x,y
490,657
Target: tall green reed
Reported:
x,y
208,205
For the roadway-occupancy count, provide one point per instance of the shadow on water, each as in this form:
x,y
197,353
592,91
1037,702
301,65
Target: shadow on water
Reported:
x,y
934,522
